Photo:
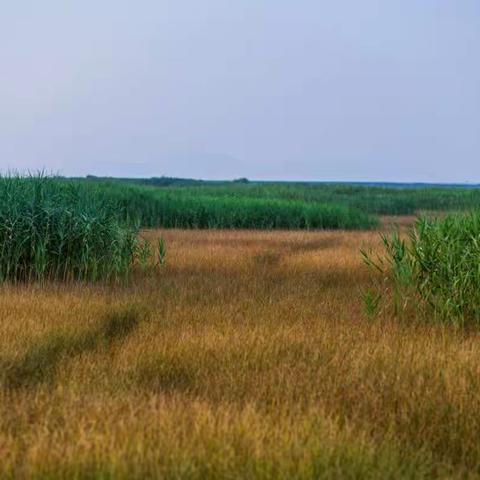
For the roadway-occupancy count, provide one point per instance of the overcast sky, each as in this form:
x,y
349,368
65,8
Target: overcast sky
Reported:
x,y
266,89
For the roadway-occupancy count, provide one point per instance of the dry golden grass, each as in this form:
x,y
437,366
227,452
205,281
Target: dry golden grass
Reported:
x,y
248,356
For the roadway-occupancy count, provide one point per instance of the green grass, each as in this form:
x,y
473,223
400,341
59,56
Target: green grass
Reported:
x,y
56,230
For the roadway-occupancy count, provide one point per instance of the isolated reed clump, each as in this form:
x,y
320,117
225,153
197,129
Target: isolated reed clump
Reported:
x,y
436,269
56,230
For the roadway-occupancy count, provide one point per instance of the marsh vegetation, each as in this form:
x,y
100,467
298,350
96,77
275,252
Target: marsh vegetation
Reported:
x,y
232,353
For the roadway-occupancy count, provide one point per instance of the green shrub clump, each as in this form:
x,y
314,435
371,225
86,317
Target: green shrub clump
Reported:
x,y
58,230
436,269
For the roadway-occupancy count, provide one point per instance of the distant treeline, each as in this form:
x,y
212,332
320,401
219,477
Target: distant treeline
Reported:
x,y
165,181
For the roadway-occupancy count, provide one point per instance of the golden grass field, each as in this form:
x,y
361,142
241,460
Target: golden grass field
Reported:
x,y
247,356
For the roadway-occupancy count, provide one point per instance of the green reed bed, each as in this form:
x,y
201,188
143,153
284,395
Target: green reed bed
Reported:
x,y
185,211
377,199
196,208
374,200
56,230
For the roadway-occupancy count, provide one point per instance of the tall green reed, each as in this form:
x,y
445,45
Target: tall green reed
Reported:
x,y
435,270
56,230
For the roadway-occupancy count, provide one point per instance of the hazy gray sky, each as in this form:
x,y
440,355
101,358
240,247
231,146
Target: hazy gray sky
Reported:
x,y
268,89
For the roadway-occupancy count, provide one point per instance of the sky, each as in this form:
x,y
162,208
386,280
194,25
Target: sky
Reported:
x,y
346,90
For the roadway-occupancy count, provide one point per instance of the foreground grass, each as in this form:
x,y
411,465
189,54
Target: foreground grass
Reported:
x,y
248,357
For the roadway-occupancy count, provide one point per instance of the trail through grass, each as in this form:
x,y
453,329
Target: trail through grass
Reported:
x,y
41,362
